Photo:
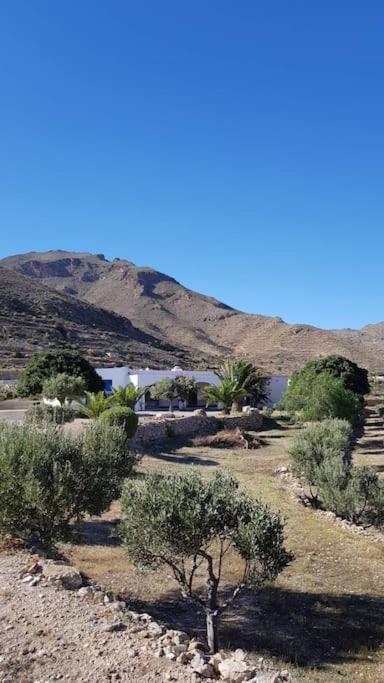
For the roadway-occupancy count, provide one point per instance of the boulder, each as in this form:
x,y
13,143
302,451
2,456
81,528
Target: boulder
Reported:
x,y
64,575
200,666
236,670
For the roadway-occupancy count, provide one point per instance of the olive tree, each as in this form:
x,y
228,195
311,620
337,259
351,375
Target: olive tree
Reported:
x,y
170,389
191,525
64,387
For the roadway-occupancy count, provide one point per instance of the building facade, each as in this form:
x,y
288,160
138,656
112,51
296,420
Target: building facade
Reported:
x,y
120,377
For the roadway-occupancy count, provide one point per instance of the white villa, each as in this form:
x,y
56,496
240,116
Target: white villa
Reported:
x,y
120,377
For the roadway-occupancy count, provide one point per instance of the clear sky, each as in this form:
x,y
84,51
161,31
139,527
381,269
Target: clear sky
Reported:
x,y
235,145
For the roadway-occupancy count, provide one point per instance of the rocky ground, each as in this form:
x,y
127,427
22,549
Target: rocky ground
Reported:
x,y
52,627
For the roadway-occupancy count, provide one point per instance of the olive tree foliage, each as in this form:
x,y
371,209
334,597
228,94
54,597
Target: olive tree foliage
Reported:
x,y
311,397
171,389
190,525
322,454
44,365
64,387
49,479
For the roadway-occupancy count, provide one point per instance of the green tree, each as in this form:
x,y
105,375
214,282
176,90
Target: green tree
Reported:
x,y
250,379
96,404
50,479
49,363
319,396
190,524
63,387
127,396
227,393
171,389
353,377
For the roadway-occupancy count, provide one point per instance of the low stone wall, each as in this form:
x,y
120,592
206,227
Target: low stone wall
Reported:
x,y
157,430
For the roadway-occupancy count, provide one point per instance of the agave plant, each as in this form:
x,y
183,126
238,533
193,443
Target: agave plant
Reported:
x,y
227,393
96,405
127,396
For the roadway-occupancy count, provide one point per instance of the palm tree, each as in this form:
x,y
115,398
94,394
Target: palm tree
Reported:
x,y
252,380
127,396
95,406
228,392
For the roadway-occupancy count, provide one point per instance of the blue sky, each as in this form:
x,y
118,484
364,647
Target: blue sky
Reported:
x,y
237,146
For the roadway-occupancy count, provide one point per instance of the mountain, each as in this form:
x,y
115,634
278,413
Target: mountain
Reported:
x,y
34,317
199,326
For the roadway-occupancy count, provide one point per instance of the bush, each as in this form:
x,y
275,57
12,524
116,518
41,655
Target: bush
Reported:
x,y
119,416
322,453
50,479
316,397
49,363
45,414
329,439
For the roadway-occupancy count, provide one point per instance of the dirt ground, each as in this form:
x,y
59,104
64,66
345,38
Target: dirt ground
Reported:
x,y
324,616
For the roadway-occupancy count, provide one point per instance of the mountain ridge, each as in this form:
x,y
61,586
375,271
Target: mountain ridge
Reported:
x,y
196,324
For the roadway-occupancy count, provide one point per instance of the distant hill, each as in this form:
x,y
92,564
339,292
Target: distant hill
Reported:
x,y
200,327
34,317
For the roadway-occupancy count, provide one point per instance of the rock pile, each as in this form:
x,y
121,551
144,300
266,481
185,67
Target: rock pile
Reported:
x,y
143,633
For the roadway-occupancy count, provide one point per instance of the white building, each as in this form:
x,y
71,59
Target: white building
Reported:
x,y
120,377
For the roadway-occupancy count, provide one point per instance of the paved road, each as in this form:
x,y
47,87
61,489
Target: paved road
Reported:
x,y
12,415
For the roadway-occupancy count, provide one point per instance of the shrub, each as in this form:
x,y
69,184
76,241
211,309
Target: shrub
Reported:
x,y
44,365
315,397
322,454
45,414
50,479
318,442
121,416
190,524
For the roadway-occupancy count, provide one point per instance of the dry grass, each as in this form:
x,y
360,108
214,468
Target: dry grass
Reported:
x,y
324,616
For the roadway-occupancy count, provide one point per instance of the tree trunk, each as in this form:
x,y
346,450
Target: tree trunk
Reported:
x,y
236,408
170,405
213,631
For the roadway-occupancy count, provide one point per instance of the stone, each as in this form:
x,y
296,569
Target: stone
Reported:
x,y
200,666
215,660
235,671
115,626
155,629
64,575
180,637
239,655
117,605
185,657
84,591
197,645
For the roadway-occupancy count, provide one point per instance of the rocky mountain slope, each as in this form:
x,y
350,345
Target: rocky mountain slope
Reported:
x,y
34,317
196,324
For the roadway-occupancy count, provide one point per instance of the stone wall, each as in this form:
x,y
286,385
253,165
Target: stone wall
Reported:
x,y
157,430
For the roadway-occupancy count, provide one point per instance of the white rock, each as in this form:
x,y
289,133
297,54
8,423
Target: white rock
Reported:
x,y
155,629
65,575
200,666
85,590
117,605
235,671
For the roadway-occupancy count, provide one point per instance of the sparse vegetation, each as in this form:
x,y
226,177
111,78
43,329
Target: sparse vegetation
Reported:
x,y
45,414
186,523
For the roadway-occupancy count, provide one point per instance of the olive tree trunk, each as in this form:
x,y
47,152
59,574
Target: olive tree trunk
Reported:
x,y
212,616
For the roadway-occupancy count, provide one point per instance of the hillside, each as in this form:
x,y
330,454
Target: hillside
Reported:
x,y
34,317
198,325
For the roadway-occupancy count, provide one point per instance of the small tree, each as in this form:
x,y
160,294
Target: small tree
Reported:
x,y
127,396
190,525
171,389
63,387
44,365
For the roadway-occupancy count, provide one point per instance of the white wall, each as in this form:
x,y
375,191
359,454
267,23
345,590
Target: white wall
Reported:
x,y
120,377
